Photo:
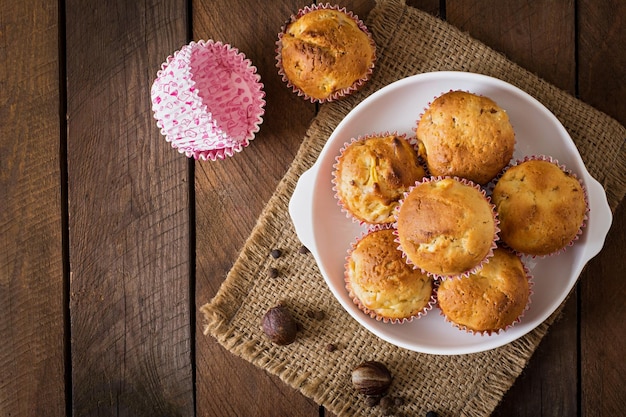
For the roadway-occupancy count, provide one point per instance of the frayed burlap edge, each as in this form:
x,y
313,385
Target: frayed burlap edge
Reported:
x,y
466,385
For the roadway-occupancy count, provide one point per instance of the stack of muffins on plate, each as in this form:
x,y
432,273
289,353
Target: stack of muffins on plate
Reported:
x,y
450,216
462,214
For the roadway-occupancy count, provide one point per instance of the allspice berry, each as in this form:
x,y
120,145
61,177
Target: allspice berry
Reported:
x,y
371,378
386,404
279,325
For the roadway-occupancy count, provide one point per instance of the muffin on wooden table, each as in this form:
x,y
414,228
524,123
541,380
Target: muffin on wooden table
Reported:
x,y
490,300
447,227
372,173
325,53
465,135
382,284
541,206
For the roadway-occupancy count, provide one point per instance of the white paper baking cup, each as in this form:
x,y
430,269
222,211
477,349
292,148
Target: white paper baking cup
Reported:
x,y
208,100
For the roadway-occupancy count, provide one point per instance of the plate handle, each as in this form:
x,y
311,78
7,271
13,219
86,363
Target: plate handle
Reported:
x,y
301,208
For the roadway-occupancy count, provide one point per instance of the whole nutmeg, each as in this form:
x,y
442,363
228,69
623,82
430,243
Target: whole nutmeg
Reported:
x,y
371,378
279,325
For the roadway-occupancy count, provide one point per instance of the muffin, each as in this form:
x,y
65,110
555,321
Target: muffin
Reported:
x,y
325,53
373,173
382,284
447,227
542,208
465,135
490,300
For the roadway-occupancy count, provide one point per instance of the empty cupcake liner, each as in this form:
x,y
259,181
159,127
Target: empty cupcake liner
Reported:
x,y
495,239
208,100
355,217
563,168
337,94
371,312
519,318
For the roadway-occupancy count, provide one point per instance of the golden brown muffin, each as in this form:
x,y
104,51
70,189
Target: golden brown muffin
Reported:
x,y
446,227
541,207
465,135
381,283
372,175
489,300
325,51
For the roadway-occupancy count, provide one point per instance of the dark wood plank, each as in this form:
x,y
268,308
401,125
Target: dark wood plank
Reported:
x,y
230,195
603,338
430,6
31,268
128,216
602,83
601,57
539,36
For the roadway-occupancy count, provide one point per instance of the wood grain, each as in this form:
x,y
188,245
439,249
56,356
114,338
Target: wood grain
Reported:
x,y
601,60
230,195
602,83
539,36
128,216
99,286
31,264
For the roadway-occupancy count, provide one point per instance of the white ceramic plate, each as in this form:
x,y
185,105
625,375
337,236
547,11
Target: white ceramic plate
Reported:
x,y
325,230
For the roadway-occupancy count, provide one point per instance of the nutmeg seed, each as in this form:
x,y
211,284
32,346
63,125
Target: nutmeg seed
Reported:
x,y
279,325
371,378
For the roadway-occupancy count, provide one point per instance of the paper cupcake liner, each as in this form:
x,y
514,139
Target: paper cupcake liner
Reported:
x,y
350,214
208,100
495,239
373,314
563,168
519,318
337,94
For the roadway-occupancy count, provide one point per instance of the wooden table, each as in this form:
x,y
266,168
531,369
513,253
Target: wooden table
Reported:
x,y
110,240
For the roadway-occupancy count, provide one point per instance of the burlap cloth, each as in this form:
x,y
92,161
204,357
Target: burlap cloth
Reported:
x,y
409,42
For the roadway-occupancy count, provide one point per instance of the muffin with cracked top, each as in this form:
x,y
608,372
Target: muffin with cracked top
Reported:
x,y
325,53
447,227
372,173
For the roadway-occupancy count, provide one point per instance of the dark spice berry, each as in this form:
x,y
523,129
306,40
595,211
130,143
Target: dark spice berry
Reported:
x,y
386,403
431,414
272,273
276,253
331,347
303,250
316,314
279,325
